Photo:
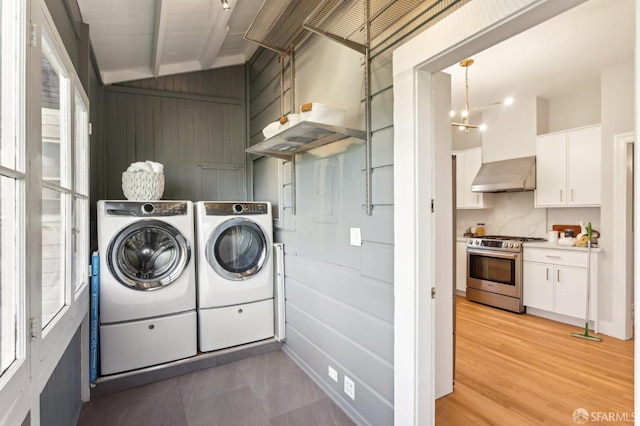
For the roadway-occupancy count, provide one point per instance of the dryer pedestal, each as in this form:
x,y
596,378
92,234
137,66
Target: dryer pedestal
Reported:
x,y
235,325
136,344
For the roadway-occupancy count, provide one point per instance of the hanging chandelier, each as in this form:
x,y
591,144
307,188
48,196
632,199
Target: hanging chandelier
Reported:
x,y
464,124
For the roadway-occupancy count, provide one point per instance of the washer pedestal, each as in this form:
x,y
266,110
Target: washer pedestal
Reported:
x,y
235,325
136,344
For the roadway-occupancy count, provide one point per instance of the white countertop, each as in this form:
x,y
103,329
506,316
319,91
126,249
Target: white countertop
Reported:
x,y
547,245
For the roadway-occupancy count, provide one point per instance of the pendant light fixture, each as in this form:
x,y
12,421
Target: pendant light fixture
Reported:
x,y
464,125
225,5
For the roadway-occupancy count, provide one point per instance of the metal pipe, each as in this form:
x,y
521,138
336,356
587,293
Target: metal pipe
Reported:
x,y
282,56
367,106
292,82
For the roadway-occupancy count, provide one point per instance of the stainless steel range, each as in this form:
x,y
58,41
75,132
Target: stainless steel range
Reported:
x,y
494,271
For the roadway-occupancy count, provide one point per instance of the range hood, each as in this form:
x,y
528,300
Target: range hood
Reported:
x,y
514,175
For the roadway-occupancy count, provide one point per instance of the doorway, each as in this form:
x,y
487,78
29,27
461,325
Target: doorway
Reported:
x,y
415,65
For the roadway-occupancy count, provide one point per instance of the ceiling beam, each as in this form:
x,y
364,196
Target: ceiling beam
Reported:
x,y
217,34
159,32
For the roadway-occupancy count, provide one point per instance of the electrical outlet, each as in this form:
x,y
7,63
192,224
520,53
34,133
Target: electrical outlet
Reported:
x,y
333,374
349,387
355,235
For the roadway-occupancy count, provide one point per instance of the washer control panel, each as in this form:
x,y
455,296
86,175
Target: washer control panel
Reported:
x,y
146,208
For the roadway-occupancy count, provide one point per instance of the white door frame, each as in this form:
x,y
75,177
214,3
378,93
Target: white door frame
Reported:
x,y
474,27
622,324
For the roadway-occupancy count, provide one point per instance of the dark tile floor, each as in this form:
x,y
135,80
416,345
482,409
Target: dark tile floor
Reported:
x,y
268,389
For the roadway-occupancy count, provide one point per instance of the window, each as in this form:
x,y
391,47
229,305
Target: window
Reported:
x,y
44,238
56,182
80,212
12,180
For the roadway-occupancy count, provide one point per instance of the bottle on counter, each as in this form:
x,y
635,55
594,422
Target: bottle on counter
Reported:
x,y
480,229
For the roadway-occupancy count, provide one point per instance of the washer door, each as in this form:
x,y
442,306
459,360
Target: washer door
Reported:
x,y
237,249
148,255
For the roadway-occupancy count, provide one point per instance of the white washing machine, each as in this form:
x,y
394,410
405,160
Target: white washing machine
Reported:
x,y
147,283
235,273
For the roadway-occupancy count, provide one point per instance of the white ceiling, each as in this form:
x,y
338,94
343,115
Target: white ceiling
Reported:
x,y
555,57
136,39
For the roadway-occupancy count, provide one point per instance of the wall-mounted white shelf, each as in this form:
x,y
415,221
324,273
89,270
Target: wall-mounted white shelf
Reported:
x,y
302,137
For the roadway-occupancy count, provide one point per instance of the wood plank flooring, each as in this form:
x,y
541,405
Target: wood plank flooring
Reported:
x,y
524,370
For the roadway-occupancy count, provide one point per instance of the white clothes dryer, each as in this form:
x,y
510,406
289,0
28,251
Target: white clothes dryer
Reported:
x,y
147,283
235,273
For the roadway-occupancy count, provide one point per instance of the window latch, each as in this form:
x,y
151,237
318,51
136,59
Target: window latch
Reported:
x,y
34,35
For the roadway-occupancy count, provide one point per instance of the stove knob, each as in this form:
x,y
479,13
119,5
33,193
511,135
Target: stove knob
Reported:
x,y
477,242
507,245
516,245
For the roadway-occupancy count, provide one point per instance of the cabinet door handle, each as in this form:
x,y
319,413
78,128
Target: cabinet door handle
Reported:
x,y
558,275
571,194
553,257
477,198
561,200
547,274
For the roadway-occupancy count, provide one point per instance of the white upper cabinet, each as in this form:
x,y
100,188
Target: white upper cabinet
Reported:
x,y
568,168
468,163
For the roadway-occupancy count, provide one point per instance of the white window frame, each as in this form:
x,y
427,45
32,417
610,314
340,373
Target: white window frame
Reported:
x,y
15,386
40,350
56,336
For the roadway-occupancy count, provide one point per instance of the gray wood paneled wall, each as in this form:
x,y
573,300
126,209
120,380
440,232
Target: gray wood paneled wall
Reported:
x,y
60,399
194,124
339,297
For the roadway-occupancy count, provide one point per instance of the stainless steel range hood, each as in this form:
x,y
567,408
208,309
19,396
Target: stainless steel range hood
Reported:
x,y
514,175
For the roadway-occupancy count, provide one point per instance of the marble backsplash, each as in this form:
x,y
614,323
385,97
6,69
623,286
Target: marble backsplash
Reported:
x,y
513,214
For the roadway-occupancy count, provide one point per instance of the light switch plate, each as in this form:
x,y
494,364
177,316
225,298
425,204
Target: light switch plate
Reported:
x,y
355,236
333,373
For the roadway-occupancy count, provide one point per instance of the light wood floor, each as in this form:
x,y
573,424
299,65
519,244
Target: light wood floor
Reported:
x,y
523,370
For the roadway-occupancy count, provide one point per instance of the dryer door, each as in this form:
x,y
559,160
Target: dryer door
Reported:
x,y
148,255
237,249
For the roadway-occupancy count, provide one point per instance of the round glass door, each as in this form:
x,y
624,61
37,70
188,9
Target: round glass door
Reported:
x,y
237,249
148,255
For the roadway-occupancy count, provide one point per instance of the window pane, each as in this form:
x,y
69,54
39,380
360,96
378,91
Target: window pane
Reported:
x,y
53,253
80,243
81,144
54,102
9,87
9,277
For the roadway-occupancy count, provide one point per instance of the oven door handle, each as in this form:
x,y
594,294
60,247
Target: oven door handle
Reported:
x,y
489,253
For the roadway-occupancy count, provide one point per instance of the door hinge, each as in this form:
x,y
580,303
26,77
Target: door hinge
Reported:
x,y
432,206
33,40
90,129
33,326
433,292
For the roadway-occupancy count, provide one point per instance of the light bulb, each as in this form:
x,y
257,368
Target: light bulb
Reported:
x,y
452,113
225,5
464,113
483,127
508,101
461,128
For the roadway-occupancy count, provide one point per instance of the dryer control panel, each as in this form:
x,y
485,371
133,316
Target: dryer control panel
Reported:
x,y
235,208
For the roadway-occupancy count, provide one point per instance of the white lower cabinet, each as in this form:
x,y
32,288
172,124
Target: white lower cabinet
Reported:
x,y
555,281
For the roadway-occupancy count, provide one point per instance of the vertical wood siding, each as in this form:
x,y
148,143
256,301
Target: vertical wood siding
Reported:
x,y
339,297
194,124
60,399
